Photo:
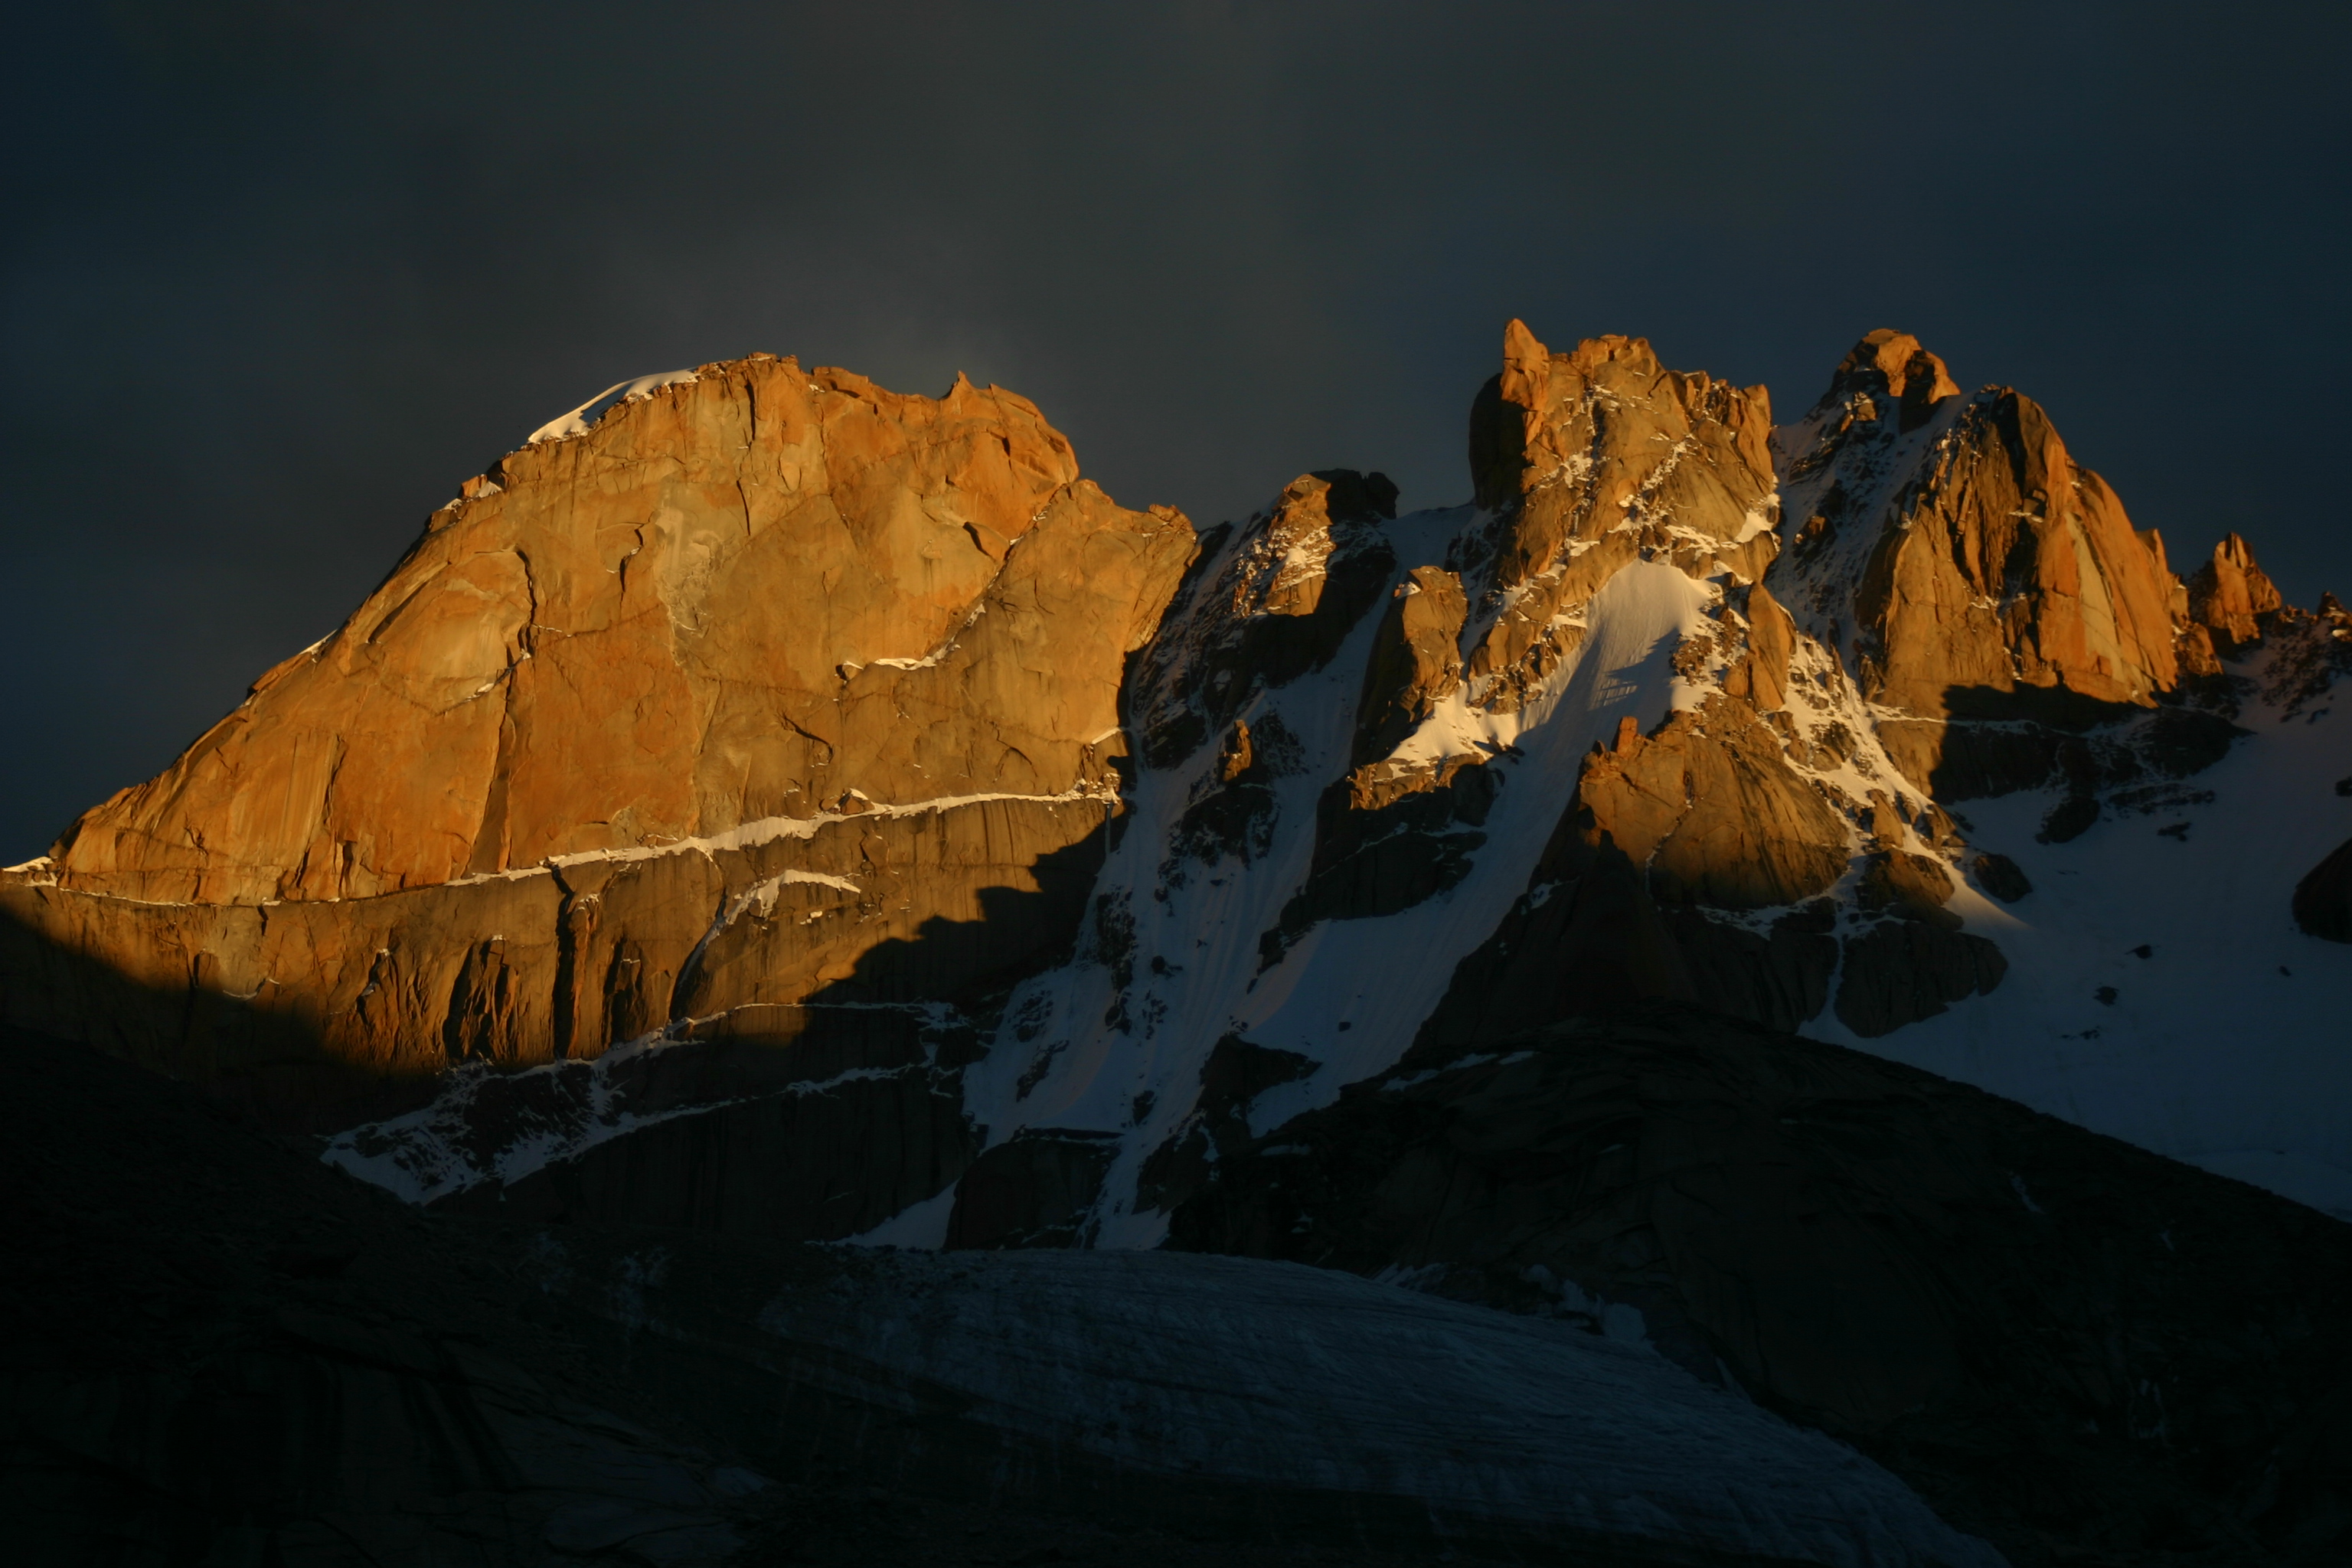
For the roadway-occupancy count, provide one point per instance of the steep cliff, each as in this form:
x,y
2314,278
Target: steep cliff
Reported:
x,y
763,699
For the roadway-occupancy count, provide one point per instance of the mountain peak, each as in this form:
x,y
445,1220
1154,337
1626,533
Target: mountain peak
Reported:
x,y
1895,364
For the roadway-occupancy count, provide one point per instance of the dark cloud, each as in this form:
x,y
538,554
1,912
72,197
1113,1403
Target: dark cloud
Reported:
x,y
278,275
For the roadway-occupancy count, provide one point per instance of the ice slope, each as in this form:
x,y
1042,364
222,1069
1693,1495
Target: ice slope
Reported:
x,y
2228,1044
1299,1380
1135,1015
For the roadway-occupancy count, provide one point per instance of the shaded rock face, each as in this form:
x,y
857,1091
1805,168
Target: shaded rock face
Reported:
x,y
1270,603
2323,900
1233,1078
1038,1189
1912,962
217,1350
380,998
2056,1336
1703,816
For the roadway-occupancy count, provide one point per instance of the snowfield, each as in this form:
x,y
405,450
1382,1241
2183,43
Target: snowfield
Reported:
x,y
2158,990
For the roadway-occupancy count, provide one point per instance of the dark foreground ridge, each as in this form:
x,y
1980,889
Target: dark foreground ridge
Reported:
x,y
2080,1350
218,1351
218,1348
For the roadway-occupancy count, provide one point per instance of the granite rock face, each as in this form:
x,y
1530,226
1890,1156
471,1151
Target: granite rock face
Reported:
x,y
1963,565
767,700
2323,900
1955,543
583,653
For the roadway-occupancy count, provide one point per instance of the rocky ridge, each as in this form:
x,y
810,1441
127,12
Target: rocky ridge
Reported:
x,y
1034,802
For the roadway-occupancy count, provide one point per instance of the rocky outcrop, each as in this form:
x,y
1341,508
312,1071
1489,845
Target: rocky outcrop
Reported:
x,y
1702,816
1586,459
2323,898
1232,1078
1961,561
1914,959
1762,673
2000,877
1267,603
2228,594
2057,1337
1708,806
1037,1188
1415,661
2302,656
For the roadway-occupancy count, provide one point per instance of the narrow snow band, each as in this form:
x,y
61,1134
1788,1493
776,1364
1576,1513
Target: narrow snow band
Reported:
x,y
767,829
746,835
576,423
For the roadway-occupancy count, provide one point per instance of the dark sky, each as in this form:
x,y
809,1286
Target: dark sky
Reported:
x,y
278,276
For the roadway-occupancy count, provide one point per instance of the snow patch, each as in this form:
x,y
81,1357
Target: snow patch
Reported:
x,y
578,421
922,1227
770,829
489,1126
